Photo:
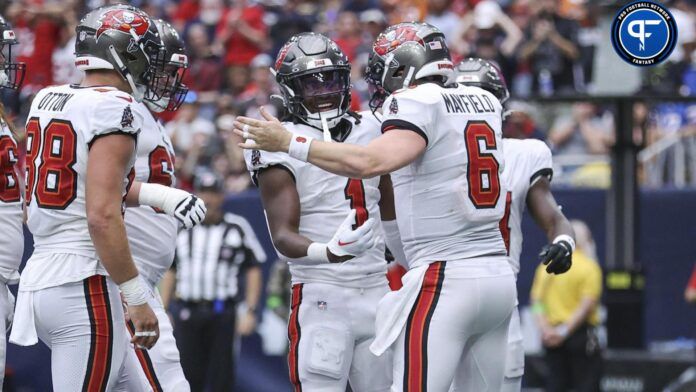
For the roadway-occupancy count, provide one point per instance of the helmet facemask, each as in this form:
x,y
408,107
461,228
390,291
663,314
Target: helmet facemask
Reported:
x,y
11,73
319,94
168,91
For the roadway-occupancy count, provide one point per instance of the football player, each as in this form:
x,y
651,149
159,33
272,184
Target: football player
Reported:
x,y
442,143
337,279
528,172
80,151
151,233
11,211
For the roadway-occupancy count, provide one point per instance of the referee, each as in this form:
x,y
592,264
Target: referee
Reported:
x,y
209,260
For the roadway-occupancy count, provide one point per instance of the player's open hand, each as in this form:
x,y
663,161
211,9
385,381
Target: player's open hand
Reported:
x,y
146,325
348,242
268,134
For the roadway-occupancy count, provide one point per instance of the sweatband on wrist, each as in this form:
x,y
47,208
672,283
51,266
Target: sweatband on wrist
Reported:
x,y
133,292
392,238
299,147
152,195
317,252
566,238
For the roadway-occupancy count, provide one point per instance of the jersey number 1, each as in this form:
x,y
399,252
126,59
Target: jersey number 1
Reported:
x,y
355,192
54,182
482,170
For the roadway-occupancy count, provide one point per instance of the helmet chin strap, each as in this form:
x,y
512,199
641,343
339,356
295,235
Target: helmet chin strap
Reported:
x,y
137,94
325,127
409,76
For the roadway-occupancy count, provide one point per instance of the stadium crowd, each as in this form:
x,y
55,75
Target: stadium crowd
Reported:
x,y
544,48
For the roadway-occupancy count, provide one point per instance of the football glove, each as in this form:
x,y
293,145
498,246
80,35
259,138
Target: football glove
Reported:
x,y
185,207
557,256
349,242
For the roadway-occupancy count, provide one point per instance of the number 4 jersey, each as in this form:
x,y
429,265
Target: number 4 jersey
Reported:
x,y
325,200
450,199
151,233
63,123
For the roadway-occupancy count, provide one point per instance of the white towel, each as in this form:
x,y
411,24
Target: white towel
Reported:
x,y
393,310
24,327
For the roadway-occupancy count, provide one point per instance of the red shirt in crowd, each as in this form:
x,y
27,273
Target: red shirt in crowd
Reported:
x,y
692,280
239,49
39,39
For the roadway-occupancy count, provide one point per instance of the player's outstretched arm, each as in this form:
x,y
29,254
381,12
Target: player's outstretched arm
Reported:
x,y
391,151
557,256
186,207
282,205
106,168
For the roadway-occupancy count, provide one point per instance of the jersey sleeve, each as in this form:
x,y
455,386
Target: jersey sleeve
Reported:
x,y
114,113
540,161
257,160
404,111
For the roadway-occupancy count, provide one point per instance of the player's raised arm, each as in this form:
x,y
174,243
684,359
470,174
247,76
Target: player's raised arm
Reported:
x,y
282,205
391,151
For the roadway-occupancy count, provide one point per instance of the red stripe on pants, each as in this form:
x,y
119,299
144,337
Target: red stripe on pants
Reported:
x,y
145,362
294,337
99,309
416,345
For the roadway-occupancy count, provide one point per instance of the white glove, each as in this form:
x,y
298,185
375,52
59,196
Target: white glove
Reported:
x,y
185,207
346,241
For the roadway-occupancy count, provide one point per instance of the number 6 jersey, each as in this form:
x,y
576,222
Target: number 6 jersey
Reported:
x,y
11,217
63,123
450,199
325,200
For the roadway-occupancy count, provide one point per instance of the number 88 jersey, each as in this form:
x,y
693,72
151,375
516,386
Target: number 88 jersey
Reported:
x,y
62,124
325,200
450,199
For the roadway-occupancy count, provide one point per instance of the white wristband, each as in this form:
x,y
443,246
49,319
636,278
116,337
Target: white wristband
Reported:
x,y
159,196
317,252
566,238
299,147
133,292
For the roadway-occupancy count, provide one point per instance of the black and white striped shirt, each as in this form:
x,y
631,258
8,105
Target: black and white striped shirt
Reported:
x,y
209,259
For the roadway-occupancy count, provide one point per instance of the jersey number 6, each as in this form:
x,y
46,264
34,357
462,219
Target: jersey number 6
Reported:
x,y
9,186
54,182
482,170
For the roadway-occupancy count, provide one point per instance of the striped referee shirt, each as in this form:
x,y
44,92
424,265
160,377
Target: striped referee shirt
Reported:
x,y
209,259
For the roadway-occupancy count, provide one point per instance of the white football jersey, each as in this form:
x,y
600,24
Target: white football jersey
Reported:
x,y
526,161
62,124
151,233
11,216
450,199
325,200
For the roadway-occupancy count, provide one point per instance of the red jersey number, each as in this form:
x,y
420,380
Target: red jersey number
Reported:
x,y
161,167
482,171
9,185
54,181
504,224
355,192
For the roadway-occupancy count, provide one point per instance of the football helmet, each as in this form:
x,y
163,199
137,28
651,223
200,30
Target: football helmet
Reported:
x,y
11,73
314,78
484,74
125,39
168,80
404,53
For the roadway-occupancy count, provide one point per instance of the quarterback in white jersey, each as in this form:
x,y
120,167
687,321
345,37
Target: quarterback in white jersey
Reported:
x,y
80,153
337,279
528,172
11,203
442,144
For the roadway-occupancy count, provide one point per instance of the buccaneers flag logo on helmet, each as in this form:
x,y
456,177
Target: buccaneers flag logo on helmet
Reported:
x,y
390,40
125,21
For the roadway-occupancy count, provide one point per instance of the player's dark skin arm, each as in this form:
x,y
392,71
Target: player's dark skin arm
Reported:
x,y
386,201
546,212
282,204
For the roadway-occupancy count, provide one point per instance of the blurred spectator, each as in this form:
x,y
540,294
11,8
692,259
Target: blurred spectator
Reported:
x,y
690,292
566,310
397,11
551,50
287,20
242,33
587,130
440,16
188,130
373,23
258,91
348,34
519,123
63,58
205,74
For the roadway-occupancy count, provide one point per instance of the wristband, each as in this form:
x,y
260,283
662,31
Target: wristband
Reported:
x,y
566,238
133,292
299,147
317,252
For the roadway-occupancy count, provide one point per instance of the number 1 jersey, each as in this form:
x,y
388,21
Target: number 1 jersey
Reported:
x,y
63,123
450,199
325,201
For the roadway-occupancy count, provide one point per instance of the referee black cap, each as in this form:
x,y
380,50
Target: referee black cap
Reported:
x,y
207,181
